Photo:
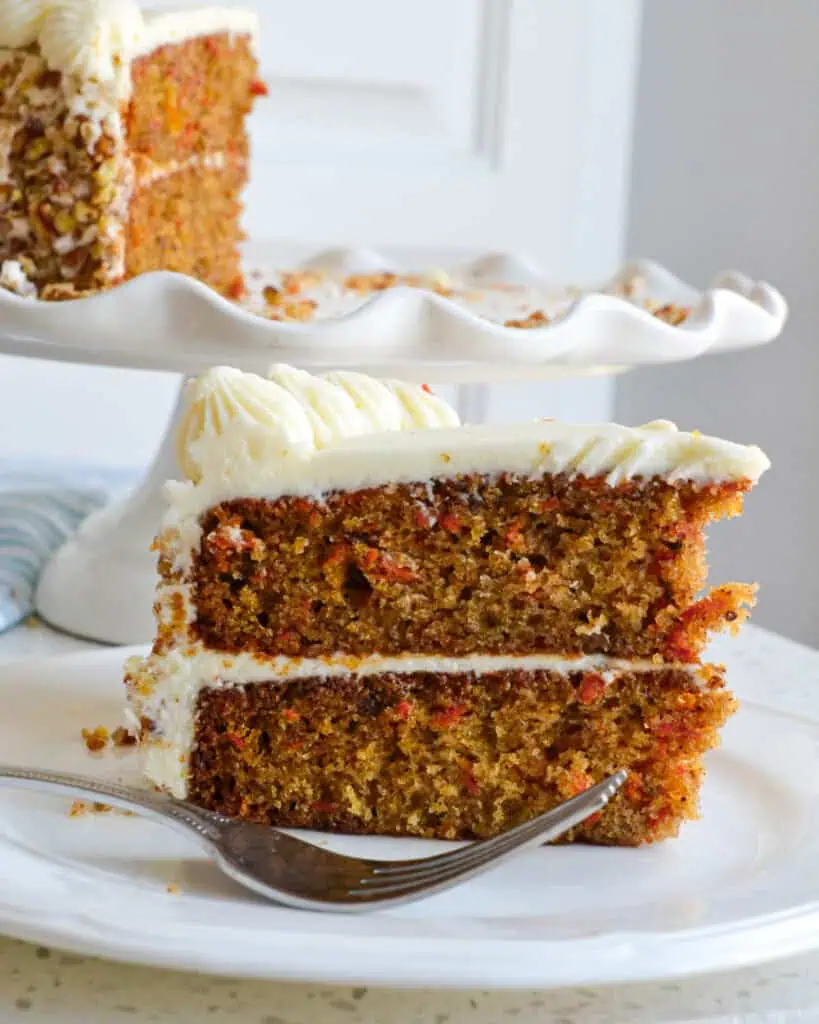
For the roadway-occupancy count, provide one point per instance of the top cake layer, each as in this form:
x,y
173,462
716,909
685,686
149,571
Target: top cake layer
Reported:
x,y
98,39
299,435
324,516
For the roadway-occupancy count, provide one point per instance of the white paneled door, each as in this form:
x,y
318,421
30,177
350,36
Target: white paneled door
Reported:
x,y
488,123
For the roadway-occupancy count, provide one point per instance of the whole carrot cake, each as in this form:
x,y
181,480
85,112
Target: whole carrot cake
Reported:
x,y
371,619
122,143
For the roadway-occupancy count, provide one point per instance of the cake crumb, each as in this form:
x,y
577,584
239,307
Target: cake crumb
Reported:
x,y
671,313
79,808
122,737
294,309
173,889
100,738
535,319
96,739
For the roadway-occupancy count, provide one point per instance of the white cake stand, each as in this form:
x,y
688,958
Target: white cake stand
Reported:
x,y
100,584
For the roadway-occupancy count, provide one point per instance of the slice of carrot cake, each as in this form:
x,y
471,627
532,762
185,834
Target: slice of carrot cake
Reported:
x,y
370,625
122,143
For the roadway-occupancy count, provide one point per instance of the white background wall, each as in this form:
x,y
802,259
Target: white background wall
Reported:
x,y
726,174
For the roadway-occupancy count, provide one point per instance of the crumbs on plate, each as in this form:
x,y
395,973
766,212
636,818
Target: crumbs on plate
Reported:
x,y
82,807
99,738
79,808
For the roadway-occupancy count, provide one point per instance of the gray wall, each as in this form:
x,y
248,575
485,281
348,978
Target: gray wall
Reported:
x,y
726,174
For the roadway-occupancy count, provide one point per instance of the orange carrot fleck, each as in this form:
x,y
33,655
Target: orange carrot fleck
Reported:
x,y
592,687
450,521
579,782
380,565
448,717
403,709
422,518
514,537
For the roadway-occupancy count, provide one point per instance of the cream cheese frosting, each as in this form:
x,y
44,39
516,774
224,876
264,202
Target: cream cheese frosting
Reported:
x,y
13,278
235,421
20,23
351,442
332,413
97,39
394,405
90,38
164,28
237,424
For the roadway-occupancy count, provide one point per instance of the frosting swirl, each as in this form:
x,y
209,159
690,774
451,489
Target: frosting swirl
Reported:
x,y
372,398
420,407
234,420
91,38
331,411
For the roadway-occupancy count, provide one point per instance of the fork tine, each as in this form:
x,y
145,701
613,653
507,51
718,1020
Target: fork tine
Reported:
x,y
550,826
513,837
448,868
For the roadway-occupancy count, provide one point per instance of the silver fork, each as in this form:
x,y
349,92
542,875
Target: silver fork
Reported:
x,y
296,873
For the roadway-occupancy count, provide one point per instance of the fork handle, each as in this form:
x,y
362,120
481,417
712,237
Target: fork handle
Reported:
x,y
147,803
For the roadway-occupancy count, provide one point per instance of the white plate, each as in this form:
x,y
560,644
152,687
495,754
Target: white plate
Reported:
x,y
164,321
739,887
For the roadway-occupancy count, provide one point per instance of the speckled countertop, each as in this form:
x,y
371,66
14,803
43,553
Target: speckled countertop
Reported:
x,y
42,985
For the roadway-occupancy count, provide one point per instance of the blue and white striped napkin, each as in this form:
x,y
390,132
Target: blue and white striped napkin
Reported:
x,y
38,511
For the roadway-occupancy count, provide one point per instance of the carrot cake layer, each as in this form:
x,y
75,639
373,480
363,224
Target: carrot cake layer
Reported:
x,y
446,748
485,564
101,105
346,568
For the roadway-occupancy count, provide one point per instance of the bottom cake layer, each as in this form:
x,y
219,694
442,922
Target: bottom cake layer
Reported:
x,y
458,755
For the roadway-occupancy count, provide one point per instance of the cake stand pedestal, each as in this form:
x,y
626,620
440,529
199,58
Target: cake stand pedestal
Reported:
x,y
100,585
